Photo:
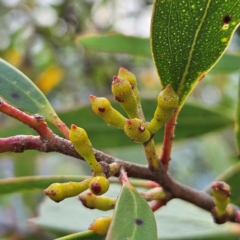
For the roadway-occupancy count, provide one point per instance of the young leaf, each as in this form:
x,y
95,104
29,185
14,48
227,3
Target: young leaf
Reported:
x,y
188,38
133,217
20,91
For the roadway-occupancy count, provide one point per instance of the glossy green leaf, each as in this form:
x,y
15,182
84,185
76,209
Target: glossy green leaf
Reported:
x,y
87,235
232,177
22,184
117,43
132,218
19,91
188,38
194,120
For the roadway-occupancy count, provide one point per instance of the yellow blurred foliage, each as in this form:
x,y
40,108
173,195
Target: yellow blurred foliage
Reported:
x,y
48,79
13,57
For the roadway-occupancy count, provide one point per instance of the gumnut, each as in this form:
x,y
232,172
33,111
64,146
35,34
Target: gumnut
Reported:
x,y
59,191
137,130
167,102
83,146
131,78
92,201
98,185
123,93
101,225
103,108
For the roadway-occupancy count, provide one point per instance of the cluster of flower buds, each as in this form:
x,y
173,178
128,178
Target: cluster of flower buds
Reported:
x,y
98,184
125,91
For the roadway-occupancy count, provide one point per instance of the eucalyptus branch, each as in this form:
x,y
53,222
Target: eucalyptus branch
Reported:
x,y
172,188
50,142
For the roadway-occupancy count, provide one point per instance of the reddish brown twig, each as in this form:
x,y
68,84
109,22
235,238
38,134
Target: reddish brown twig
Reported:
x,y
168,139
36,121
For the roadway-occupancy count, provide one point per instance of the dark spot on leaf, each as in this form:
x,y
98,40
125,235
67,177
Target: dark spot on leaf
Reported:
x,y
15,95
226,19
138,221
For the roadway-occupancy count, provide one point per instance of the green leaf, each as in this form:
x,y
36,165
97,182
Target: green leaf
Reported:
x,y
20,91
87,235
133,217
117,43
20,184
232,177
187,38
194,120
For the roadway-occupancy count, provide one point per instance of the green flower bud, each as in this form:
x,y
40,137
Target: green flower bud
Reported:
x,y
103,108
123,93
101,225
92,201
99,185
130,77
137,130
83,146
167,103
59,191
156,193
221,194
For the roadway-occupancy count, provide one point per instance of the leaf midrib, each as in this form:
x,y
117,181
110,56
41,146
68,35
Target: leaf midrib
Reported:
x,y
185,73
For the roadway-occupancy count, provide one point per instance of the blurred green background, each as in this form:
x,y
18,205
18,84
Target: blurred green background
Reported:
x,y
40,38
